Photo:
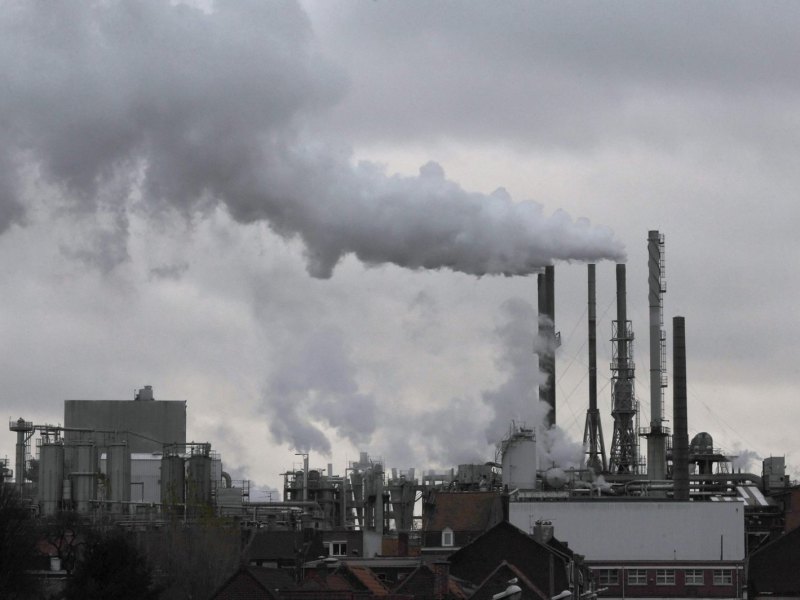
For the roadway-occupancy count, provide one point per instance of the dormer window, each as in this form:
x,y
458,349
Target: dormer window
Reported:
x,y
447,537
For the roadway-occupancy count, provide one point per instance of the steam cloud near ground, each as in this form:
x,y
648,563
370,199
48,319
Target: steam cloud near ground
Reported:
x,y
154,107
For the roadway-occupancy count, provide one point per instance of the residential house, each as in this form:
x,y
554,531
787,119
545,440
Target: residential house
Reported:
x,y
773,569
451,520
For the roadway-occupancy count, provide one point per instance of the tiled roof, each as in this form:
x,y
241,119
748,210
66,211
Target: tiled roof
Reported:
x,y
422,580
498,580
280,545
369,580
773,567
455,590
331,581
254,583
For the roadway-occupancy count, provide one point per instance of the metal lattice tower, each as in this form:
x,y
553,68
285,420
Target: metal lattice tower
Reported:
x,y
593,443
624,457
24,431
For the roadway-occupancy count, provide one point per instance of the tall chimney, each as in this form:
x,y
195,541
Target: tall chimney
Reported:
x,y
548,339
680,439
595,448
656,438
624,455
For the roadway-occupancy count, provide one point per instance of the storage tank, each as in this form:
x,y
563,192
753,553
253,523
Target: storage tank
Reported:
x,y
51,478
556,478
199,480
520,460
173,480
67,492
84,475
118,475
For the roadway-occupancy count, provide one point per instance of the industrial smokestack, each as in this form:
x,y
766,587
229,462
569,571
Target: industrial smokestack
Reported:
x,y
680,439
593,431
548,342
592,339
656,438
624,457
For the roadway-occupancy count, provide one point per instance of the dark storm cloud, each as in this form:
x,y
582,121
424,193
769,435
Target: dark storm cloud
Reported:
x,y
190,109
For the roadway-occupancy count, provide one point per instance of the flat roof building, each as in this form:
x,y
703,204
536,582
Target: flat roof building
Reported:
x,y
147,424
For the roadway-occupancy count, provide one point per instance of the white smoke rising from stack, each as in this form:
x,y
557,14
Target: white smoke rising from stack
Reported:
x,y
162,108
517,398
186,109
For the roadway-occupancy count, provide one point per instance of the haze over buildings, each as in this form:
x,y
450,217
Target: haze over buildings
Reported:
x,y
171,176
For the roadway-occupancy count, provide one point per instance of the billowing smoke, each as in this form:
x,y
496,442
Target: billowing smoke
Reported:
x,y
160,108
179,109
556,449
517,398
313,389
745,460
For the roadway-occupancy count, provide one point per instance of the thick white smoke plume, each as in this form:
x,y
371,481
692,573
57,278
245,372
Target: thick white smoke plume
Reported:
x,y
157,108
745,460
313,388
182,109
517,398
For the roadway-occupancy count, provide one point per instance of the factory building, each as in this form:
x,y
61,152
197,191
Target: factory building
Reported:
x,y
123,458
672,521
642,547
146,424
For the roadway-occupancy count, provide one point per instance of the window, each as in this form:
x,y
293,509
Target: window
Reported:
x,y
723,577
608,577
695,577
337,549
637,577
665,577
447,537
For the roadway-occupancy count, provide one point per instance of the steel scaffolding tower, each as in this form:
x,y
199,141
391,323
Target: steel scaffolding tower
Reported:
x,y
624,457
593,443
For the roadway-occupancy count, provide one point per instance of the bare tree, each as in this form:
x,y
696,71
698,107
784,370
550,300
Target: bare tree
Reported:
x,y
17,546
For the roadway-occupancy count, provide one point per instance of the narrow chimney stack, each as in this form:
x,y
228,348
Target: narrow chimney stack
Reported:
x,y
680,439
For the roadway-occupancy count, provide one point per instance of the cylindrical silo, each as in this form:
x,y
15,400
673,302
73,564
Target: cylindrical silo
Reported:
x,y
118,475
173,479
51,478
84,475
199,480
520,460
67,492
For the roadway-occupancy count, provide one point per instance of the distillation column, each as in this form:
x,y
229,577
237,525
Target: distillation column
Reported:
x,y
593,431
624,458
24,430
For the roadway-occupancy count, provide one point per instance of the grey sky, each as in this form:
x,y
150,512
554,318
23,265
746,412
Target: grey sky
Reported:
x,y
221,203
